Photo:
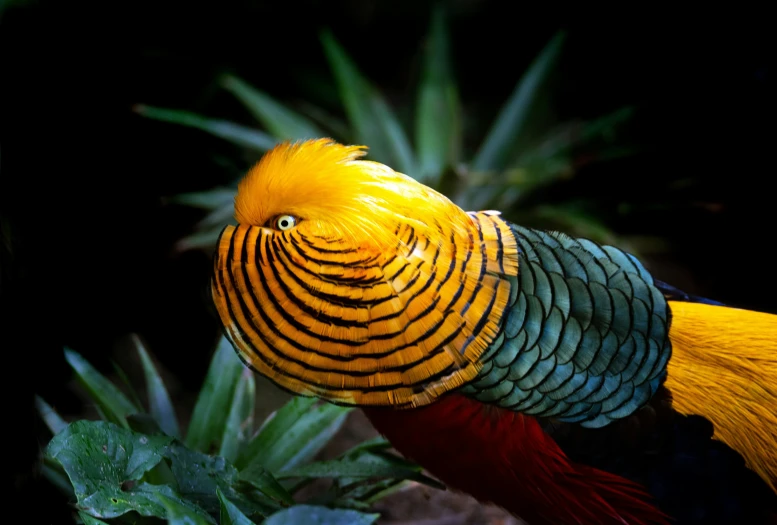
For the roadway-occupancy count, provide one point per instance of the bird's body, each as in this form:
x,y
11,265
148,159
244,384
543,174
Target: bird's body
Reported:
x,y
547,374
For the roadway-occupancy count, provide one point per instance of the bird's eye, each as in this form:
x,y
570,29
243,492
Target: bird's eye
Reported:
x,y
285,222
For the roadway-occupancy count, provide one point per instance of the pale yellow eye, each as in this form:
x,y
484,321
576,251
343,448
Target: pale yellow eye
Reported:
x,y
285,222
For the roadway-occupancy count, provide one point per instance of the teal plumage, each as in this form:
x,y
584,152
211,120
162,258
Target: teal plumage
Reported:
x,y
586,336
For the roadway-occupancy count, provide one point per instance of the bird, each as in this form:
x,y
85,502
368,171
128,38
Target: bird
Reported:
x,y
550,375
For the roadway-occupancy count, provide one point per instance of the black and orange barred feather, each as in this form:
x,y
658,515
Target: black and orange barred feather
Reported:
x,y
395,328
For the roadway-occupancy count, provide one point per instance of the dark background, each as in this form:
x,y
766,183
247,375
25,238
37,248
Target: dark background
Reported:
x,y
83,178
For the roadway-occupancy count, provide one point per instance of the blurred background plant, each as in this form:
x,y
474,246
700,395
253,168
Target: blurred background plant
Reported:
x,y
525,151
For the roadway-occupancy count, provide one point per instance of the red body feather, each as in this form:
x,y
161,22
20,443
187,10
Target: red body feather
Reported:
x,y
506,458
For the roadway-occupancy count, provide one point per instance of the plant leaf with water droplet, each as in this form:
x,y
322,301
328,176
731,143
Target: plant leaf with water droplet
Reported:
x,y
199,476
104,463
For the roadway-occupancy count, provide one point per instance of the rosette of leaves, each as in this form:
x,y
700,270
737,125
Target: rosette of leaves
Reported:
x,y
523,152
136,465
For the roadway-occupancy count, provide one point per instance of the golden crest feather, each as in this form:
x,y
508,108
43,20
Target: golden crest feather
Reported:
x,y
327,183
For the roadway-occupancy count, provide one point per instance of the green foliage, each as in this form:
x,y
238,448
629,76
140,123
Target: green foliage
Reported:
x,y
521,153
136,466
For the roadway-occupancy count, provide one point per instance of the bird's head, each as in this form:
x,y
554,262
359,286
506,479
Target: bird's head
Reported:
x,y
349,281
323,189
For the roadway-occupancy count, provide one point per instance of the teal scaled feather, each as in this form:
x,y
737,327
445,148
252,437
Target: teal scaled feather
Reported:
x,y
585,338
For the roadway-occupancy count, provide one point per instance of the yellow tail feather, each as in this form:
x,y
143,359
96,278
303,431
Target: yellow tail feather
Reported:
x,y
724,367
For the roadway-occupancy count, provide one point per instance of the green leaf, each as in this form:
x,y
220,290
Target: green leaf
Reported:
x,y
179,513
593,139
199,476
512,121
280,121
294,434
438,120
367,492
376,444
338,128
199,240
315,515
114,405
160,406
239,427
261,479
104,462
53,421
365,466
230,513
236,134
213,199
218,218
129,388
209,418
89,520
375,124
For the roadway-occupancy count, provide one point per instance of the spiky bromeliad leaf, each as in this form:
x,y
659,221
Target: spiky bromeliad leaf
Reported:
x,y
220,203
438,118
199,240
213,199
293,434
159,403
261,479
114,405
365,465
209,419
374,122
282,122
242,136
317,515
239,426
53,421
231,513
496,150
179,514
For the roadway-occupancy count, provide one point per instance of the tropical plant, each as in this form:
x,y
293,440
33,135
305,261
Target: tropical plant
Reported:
x,y
137,466
523,152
